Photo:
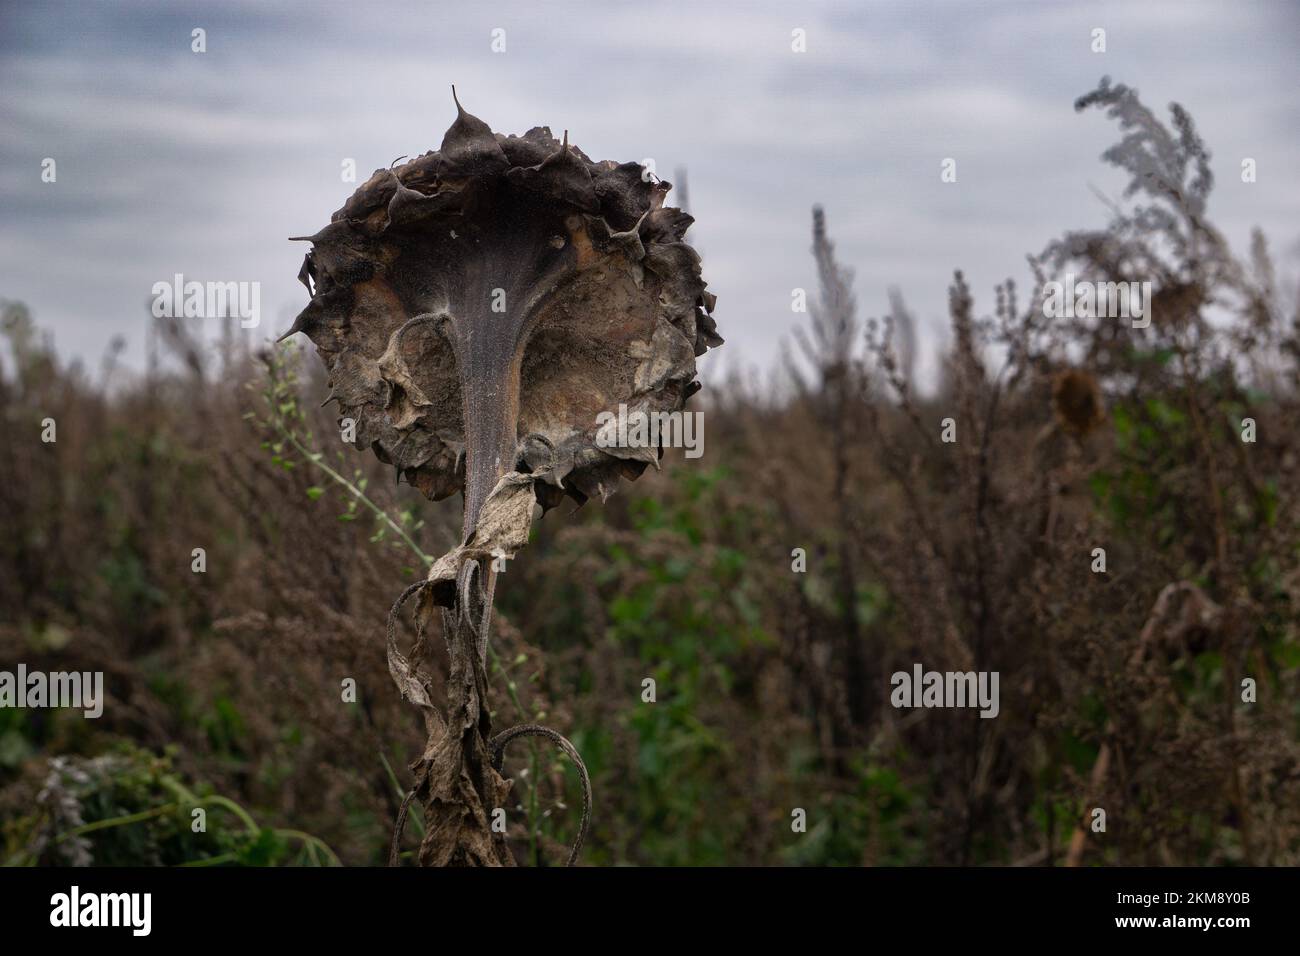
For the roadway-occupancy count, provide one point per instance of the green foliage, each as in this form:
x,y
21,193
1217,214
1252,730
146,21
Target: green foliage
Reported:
x,y
871,821
130,808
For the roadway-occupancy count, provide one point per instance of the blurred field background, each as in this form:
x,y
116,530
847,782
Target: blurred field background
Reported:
x,y
224,687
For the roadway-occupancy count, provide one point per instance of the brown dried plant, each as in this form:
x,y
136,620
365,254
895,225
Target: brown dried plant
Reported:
x,y
478,308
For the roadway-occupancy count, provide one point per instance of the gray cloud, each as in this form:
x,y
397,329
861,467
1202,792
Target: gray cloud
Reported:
x,y
171,162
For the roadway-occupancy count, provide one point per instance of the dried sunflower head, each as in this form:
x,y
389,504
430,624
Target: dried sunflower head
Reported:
x,y
1076,400
479,306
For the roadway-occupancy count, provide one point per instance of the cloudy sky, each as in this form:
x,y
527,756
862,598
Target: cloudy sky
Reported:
x,y
172,161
